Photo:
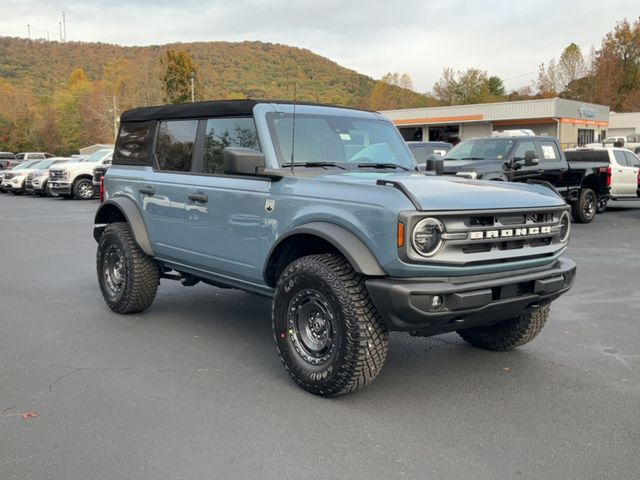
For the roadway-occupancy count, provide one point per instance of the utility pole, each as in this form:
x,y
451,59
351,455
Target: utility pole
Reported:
x,y
60,25
193,90
29,31
115,118
64,25
47,35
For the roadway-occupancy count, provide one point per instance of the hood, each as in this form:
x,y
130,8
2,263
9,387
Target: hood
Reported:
x,y
479,166
452,193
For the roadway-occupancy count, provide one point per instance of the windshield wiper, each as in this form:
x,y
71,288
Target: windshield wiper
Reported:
x,y
473,158
314,164
382,165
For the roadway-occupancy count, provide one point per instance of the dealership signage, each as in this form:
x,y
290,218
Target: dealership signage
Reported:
x,y
587,112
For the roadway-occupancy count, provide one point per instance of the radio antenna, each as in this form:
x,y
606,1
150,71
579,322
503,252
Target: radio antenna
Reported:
x,y
293,127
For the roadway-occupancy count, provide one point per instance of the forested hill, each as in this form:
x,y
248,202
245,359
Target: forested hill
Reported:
x,y
226,69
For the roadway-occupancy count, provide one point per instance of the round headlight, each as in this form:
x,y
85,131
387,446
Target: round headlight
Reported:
x,y
565,227
427,236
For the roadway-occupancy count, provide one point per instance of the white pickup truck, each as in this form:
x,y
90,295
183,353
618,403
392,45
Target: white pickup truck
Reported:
x,y
630,142
75,179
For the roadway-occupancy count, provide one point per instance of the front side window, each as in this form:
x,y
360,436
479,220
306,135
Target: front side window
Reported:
x,y
632,160
347,141
522,149
174,148
226,132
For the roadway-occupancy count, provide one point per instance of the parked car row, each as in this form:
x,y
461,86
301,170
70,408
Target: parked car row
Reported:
x,y
68,177
585,177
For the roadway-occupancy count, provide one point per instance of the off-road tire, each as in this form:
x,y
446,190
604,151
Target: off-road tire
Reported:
x,y
80,189
508,334
360,337
140,273
584,210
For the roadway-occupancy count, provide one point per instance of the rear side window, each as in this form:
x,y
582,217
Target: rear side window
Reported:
x,y
620,158
420,154
134,144
226,132
174,148
550,151
601,156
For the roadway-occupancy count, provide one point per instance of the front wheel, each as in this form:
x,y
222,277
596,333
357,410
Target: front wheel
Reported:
x,y
584,210
328,333
83,189
508,334
128,278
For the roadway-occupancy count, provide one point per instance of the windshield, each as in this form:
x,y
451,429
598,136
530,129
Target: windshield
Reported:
x,y
45,164
24,165
97,155
348,142
481,149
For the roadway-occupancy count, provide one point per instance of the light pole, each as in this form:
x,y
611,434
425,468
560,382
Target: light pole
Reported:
x,y
193,90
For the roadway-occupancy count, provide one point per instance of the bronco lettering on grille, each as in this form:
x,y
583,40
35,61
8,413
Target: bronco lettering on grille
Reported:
x,y
510,233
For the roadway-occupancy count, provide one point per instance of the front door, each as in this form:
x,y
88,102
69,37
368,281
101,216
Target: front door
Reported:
x,y
224,213
623,178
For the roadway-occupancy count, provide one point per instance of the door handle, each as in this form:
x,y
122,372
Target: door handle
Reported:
x,y
619,171
199,197
147,191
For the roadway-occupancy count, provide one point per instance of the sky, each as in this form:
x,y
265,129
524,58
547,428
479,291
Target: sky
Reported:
x,y
506,38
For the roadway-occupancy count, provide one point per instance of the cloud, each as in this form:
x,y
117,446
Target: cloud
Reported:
x,y
506,38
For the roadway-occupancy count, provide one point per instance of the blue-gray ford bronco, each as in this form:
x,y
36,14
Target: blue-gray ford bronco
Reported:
x,y
324,210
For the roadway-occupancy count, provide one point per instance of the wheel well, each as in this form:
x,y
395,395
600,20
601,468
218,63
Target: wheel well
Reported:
x,y
110,214
84,176
591,182
292,248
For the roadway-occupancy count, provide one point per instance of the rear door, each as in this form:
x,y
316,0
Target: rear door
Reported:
x,y
225,213
634,164
163,193
623,178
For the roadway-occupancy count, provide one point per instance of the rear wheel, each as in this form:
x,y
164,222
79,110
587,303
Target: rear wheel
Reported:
x,y
128,277
83,189
602,204
509,334
328,333
584,210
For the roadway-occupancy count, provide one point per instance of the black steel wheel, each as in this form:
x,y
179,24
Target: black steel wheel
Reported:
x,y
584,210
329,335
128,278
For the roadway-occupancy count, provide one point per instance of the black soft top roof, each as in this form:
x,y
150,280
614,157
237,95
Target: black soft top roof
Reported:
x,y
211,108
216,108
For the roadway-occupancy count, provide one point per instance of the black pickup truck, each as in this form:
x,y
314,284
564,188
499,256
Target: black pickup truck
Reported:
x,y
584,185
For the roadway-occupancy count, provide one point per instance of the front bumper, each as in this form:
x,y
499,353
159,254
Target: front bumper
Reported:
x,y
60,188
408,304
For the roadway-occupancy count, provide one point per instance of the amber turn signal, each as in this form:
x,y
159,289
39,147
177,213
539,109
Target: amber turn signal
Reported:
x,y
400,234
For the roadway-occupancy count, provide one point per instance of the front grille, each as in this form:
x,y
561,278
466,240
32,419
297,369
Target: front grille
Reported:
x,y
9,176
57,175
482,238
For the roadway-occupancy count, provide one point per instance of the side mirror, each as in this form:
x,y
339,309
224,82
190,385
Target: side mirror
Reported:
x,y
530,158
243,161
435,163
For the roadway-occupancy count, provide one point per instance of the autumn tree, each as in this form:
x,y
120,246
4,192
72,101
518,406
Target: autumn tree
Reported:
x,y
395,91
466,87
178,67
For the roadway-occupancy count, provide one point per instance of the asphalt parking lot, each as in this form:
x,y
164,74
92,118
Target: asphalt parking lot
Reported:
x,y
193,387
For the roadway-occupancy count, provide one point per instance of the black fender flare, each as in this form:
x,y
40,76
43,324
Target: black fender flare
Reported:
x,y
349,245
131,213
496,177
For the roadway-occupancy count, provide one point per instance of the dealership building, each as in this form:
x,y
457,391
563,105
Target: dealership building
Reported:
x,y
573,123
624,124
